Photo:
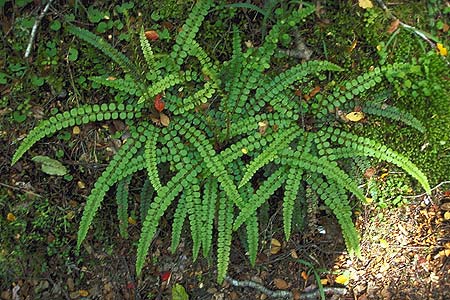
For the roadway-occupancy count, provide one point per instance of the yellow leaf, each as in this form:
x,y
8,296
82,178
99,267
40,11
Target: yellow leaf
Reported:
x,y
83,293
384,244
355,116
76,130
165,121
365,4
324,281
447,215
442,50
81,184
275,246
10,217
368,200
342,279
131,221
244,150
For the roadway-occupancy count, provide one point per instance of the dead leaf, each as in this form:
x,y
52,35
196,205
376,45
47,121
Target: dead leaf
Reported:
x,y
304,275
352,47
165,121
262,127
83,293
394,25
365,4
76,130
355,116
10,217
280,283
447,215
342,279
275,246
151,35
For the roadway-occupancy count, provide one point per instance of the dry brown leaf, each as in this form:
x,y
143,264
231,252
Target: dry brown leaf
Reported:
x,y
280,283
165,121
394,25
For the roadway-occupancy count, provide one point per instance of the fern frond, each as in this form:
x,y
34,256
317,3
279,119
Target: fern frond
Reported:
x,y
199,97
212,161
106,48
224,236
293,182
210,197
323,166
261,195
77,116
151,162
185,37
393,113
178,221
120,167
122,205
361,146
195,213
335,198
160,203
270,152
251,227
146,196
126,85
147,51
160,86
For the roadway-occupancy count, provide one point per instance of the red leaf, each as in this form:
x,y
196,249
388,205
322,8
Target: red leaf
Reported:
x,y
165,275
151,35
158,103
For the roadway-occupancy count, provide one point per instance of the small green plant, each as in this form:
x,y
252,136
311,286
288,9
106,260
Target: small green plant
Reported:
x,y
217,140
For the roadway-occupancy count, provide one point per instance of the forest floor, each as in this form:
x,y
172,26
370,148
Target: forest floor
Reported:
x,y
405,252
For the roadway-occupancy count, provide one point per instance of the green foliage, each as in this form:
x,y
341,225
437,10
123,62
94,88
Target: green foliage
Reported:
x,y
230,135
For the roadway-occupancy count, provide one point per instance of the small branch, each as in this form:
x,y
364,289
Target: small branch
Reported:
x,y
409,27
35,26
425,194
314,294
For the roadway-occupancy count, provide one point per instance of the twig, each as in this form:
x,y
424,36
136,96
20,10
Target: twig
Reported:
x,y
314,294
409,27
425,194
35,26
20,189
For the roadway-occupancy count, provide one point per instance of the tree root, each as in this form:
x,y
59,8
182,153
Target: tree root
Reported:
x,y
314,294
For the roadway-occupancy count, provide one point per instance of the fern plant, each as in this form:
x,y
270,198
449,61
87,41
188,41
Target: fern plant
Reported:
x,y
202,130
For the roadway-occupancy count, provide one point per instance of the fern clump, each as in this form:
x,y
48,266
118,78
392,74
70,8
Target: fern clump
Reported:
x,y
201,149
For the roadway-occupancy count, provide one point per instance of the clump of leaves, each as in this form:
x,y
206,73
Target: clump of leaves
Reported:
x,y
201,131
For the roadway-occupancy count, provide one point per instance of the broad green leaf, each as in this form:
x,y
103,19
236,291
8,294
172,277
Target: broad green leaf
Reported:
x,y
50,166
179,293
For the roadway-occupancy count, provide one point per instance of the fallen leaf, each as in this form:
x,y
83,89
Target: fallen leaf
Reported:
x,y
165,275
262,127
275,246
294,254
76,130
355,116
83,293
304,275
151,35
165,121
342,279
131,221
179,293
365,4
81,185
447,215
394,25
158,103
244,150
353,45
324,281
10,217
280,283
441,49
50,166
384,244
